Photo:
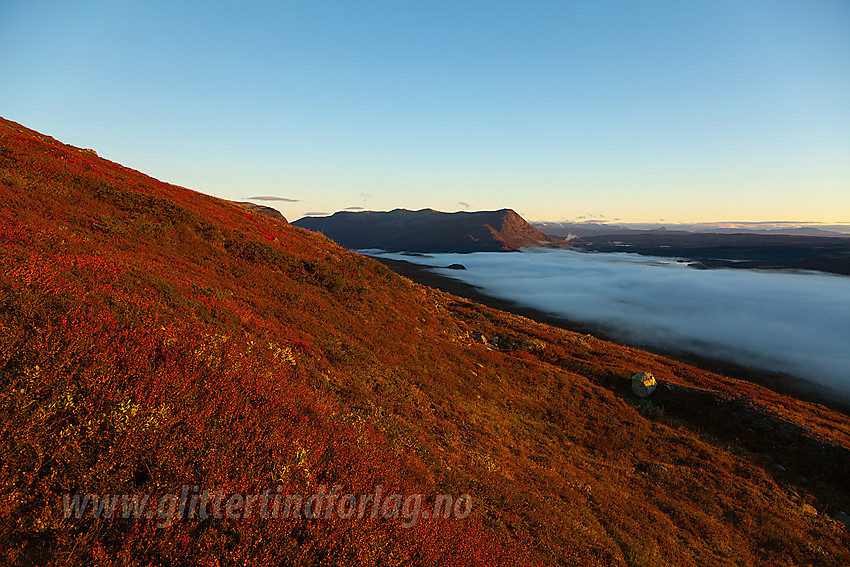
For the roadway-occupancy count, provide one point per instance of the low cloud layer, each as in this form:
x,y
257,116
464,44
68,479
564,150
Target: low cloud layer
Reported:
x,y
793,322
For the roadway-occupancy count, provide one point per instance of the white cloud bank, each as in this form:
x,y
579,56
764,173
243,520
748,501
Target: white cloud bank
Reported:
x,y
793,322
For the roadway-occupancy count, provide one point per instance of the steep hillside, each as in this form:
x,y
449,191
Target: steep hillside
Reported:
x,y
429,231
152,337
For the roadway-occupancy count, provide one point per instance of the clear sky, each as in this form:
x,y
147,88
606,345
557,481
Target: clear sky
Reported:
x,y
636,110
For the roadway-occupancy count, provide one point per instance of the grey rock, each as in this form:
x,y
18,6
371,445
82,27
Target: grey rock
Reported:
x,y
643,384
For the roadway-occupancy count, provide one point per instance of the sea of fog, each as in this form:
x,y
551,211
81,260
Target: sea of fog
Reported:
x,y
794,322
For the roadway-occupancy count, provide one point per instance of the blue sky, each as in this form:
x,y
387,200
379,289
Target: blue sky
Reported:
x,y
637,111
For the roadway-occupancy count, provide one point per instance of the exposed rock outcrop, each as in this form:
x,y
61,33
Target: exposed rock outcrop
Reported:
x,y
643,384
262,210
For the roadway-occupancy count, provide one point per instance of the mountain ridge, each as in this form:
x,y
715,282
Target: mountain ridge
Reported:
x,y
427,230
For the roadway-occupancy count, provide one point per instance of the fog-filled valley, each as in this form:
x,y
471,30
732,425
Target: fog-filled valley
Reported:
x,y
792,322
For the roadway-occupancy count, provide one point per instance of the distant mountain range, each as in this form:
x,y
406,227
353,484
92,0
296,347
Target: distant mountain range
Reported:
x,y
430,231
427,230
581,229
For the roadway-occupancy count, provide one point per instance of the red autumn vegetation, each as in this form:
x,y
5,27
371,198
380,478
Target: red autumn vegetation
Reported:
x,y
152,336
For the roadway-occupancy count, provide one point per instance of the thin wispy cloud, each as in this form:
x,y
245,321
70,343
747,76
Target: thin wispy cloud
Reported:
x,y
273,198
780,321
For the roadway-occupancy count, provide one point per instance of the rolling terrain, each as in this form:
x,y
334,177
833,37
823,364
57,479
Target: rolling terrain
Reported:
x,y
764,251
152,336
811,249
